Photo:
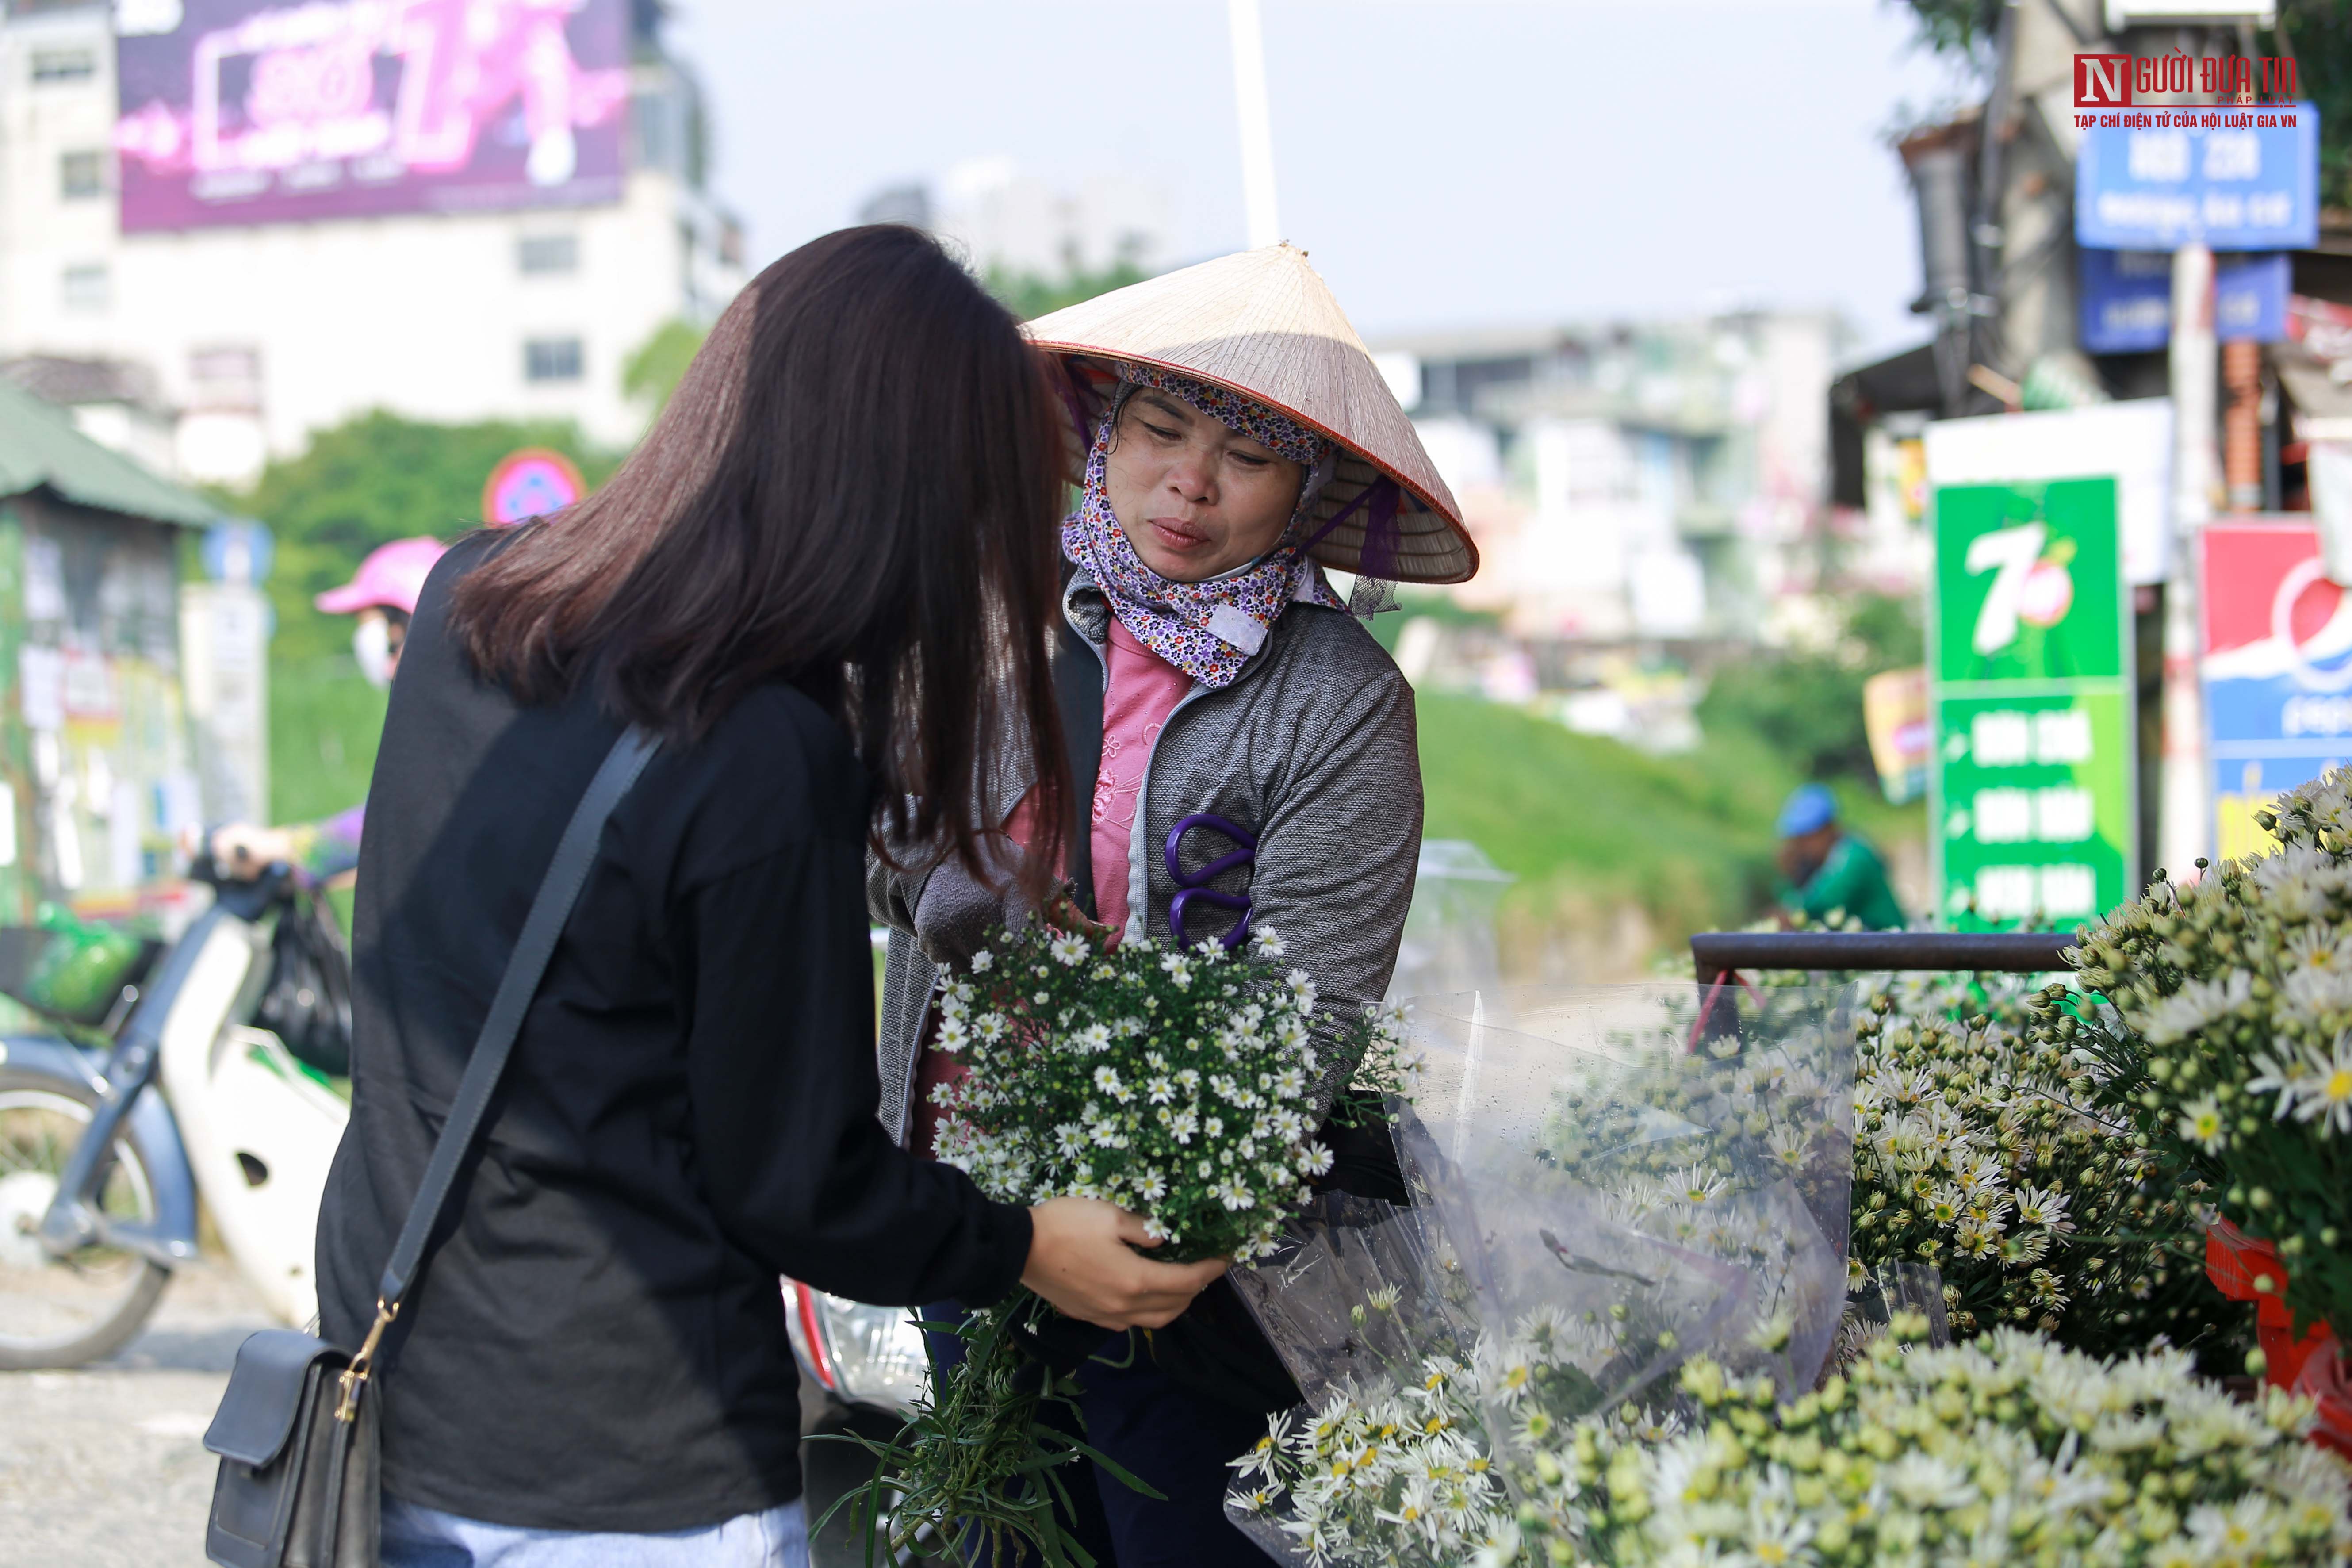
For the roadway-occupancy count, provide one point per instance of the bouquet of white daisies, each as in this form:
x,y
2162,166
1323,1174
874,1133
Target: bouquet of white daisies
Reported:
x,y
1184,1084
1181,1083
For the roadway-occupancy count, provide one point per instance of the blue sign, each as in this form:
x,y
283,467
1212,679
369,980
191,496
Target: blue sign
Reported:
x,y
2236,177
2126,298
238,550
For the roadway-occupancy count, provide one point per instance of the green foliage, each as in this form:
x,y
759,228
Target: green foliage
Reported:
x,y
373,479
1413,604
1029,295
1807,707
325,721
1589,826
1963,28
2319,34
659,364
977,1473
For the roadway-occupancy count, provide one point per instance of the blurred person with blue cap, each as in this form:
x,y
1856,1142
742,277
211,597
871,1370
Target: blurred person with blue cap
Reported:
x,y
1831,870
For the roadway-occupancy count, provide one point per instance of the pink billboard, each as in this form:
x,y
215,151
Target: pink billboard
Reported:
x,y
250,112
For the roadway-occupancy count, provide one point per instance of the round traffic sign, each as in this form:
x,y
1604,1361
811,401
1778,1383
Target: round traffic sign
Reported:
x,y
530,483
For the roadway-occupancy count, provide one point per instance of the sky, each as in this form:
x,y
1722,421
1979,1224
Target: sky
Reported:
x,y
1445,163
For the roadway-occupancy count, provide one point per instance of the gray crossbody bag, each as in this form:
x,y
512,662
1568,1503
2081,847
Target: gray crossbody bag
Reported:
x,y
297,1432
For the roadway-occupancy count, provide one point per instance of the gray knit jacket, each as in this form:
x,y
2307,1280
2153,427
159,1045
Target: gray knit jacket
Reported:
x,y
1312,748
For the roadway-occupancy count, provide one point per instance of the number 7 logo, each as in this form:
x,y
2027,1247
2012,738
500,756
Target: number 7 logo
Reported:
x,y
2010,554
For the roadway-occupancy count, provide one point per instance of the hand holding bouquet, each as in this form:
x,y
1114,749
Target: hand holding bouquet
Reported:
x,y
1179,1083
1184,1085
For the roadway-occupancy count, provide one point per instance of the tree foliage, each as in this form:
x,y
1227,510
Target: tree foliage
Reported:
x,y
659,364
2318,34
373,479
1807,706
1030,295
1955,29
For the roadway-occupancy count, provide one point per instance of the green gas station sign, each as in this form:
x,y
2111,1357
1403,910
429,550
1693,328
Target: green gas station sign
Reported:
x,y
2031,804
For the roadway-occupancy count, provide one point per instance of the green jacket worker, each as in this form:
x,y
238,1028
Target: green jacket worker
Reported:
x,y
1829,868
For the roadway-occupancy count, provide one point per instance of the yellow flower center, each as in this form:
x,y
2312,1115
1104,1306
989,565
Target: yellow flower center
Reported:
x,y
2339,1085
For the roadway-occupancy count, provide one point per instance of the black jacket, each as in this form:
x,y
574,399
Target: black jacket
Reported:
x,y
599,1343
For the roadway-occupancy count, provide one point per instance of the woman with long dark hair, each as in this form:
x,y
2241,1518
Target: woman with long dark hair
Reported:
x,y
833,550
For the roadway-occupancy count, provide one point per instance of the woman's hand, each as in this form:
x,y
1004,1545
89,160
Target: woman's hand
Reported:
x,y
1082,1260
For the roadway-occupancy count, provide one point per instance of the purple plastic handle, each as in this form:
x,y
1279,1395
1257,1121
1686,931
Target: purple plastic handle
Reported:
x,y
1195,884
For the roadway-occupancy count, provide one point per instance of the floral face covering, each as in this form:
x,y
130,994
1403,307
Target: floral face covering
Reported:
x,y
1206,629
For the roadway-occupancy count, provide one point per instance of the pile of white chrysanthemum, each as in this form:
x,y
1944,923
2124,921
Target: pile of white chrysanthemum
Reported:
x,y
1178,1083
2009,1448
2231,1034
1988,1156
1405,1472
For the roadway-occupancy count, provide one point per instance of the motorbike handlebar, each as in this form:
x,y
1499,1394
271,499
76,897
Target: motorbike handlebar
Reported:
x,y
246,896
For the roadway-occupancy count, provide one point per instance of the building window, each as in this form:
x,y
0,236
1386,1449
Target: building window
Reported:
x,y
85,286
226,376
652,115
64,65
551,359
81,175
545,253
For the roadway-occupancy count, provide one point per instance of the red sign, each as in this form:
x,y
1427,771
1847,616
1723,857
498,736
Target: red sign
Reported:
x,y
2103,81
2264,585
530,483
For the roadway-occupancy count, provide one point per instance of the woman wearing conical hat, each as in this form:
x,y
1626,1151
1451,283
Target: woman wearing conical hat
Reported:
x,y
1220,702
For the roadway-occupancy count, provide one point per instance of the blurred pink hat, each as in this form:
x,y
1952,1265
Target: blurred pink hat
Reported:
x,y
390,578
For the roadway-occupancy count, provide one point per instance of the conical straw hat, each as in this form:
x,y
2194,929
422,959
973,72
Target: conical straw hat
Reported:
x,y
1264,323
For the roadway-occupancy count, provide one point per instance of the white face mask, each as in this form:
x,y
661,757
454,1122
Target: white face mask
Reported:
x,y
372,646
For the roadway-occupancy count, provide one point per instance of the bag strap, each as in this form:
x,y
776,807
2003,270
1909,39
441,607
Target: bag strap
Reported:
x,y
550,908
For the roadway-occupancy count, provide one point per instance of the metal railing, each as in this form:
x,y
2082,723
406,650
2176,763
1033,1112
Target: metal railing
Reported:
x,y
1720,954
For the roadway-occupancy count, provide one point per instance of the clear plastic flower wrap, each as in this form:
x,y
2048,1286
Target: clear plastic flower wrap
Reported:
x,y
1685,1156
1607,1181
1357,1287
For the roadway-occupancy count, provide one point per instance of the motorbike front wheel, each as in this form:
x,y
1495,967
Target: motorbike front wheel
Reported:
x,y
65,1311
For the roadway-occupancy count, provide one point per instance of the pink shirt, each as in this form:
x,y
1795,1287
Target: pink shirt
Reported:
x,y
1143,689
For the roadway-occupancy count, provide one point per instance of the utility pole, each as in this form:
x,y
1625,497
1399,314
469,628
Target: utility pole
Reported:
x,y
1255,124
2183,825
